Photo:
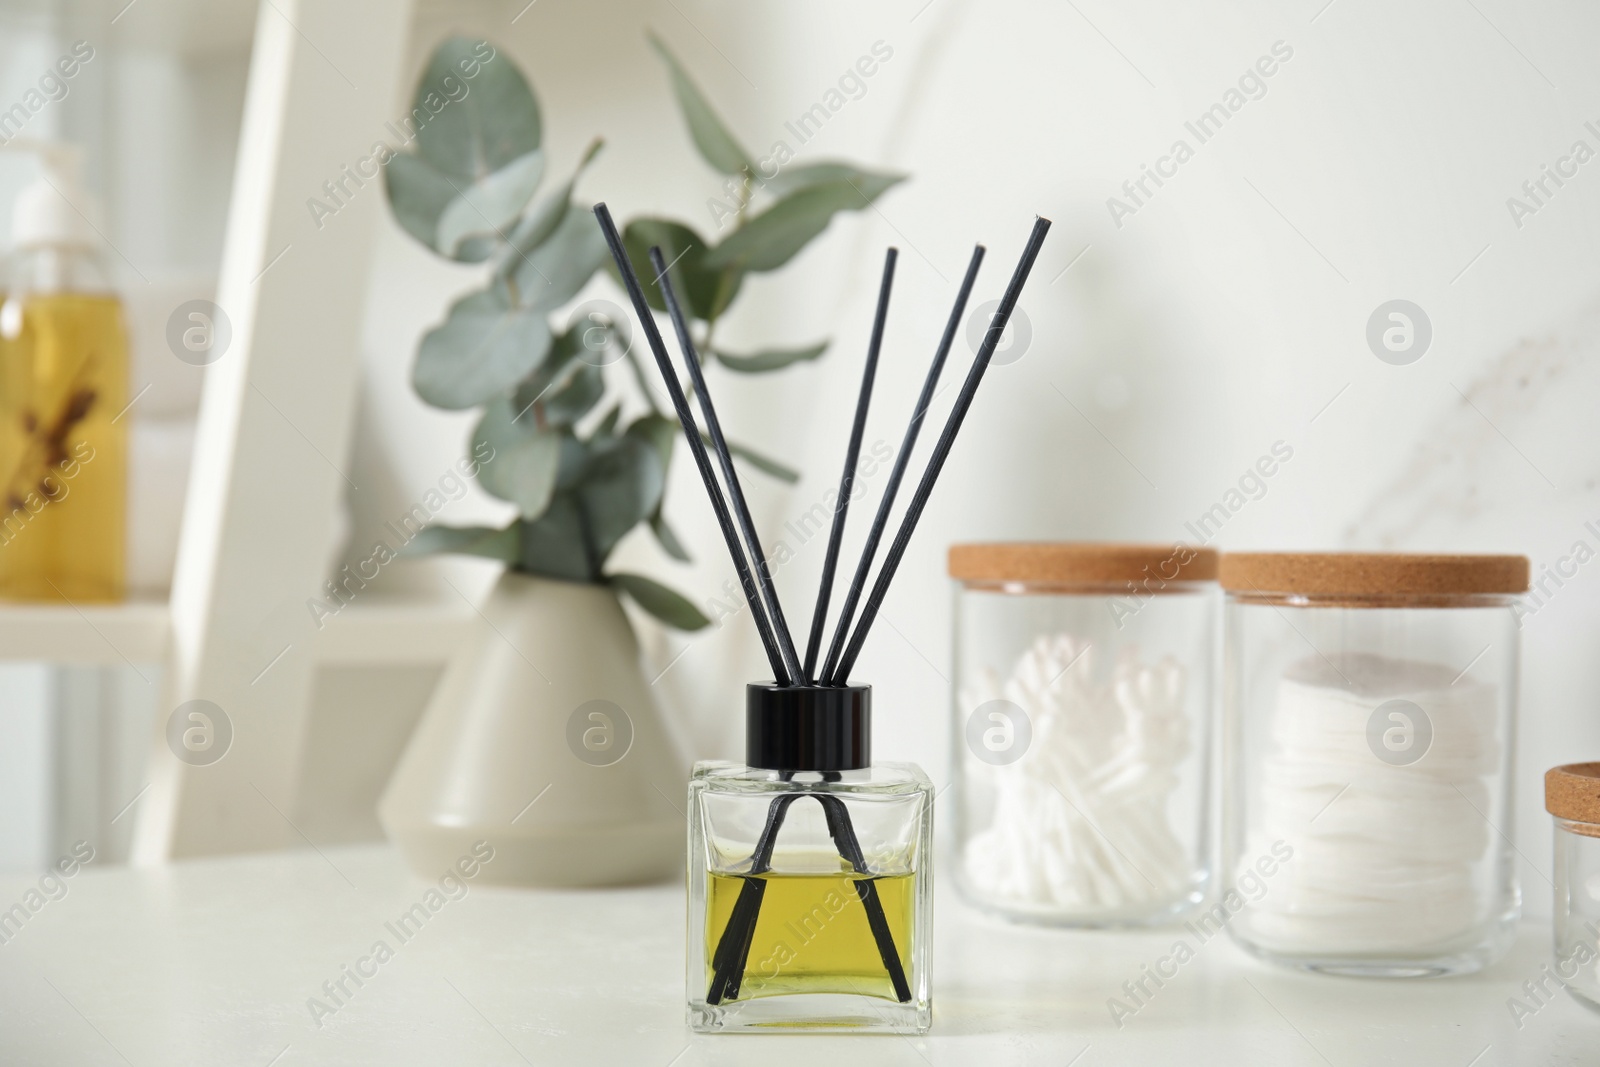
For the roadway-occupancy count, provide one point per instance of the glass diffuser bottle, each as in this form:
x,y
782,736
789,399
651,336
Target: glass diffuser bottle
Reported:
x,y
810,896
810,881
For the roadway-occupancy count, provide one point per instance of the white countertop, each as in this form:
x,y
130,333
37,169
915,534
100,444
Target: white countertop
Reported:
x,y
212,962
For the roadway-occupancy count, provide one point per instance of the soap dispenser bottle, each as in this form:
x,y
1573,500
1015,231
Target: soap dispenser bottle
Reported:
x,y
63,391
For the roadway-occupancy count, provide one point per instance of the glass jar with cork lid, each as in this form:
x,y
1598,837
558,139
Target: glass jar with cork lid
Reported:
x,y
1572,797
1370,705
1083,701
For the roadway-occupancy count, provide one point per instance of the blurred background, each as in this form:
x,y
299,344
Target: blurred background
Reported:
x,y
1175,332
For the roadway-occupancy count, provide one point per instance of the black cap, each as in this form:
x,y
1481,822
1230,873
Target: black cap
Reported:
x,y
808,728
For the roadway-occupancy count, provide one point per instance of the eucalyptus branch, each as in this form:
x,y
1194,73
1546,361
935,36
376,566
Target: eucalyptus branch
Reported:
x,y
579,494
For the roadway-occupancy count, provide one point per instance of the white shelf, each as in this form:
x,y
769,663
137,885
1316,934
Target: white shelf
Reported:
x,y
229,951
85,634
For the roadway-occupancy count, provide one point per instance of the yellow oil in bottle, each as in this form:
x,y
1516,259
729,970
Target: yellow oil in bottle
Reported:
x,y
812,934
63,481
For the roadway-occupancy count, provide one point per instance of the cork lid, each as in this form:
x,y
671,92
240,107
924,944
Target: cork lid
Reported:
x,y
1372,574
1573,792
1079,563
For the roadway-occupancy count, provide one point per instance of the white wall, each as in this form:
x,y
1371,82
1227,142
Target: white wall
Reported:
x,y
25,766
1220,318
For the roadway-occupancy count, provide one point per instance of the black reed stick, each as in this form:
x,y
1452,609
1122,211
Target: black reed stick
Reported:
x,y
741,509
849,846
919,499
733,947
852,453
697,448
881,520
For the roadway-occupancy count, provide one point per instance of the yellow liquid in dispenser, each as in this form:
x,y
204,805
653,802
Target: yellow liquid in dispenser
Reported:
x,y
812,935
63,461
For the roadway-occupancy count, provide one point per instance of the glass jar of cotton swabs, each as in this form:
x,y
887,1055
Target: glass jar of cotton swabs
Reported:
x,y
1082,699
1371,710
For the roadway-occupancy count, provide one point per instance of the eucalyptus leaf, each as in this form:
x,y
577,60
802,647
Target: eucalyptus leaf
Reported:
x,y
621,487
538,224
476,249
601,335
711,137
525,459
574,458
483,349
535,228
553,372
668,537
677,243
608,424
474,110
489,204
672,608
554,272
772,359
554,544
762,463
573,401
660,432
564,387
775,236
418,194
705,290
467,540
791,179
729,282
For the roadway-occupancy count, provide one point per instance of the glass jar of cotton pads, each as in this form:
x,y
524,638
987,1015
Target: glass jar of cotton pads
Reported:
x,y
1083,696
1572,797
1370,709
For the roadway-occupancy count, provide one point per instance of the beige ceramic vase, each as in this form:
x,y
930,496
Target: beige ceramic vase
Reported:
x,y
543,739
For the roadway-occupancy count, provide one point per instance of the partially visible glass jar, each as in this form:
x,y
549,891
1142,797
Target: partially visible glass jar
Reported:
x,y
1572,797
1370,703
1083,701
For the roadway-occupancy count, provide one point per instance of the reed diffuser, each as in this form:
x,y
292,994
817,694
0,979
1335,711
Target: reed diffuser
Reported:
x,y
812,916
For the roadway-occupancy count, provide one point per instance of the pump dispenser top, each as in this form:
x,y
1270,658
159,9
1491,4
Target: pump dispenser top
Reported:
x,y
54,209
